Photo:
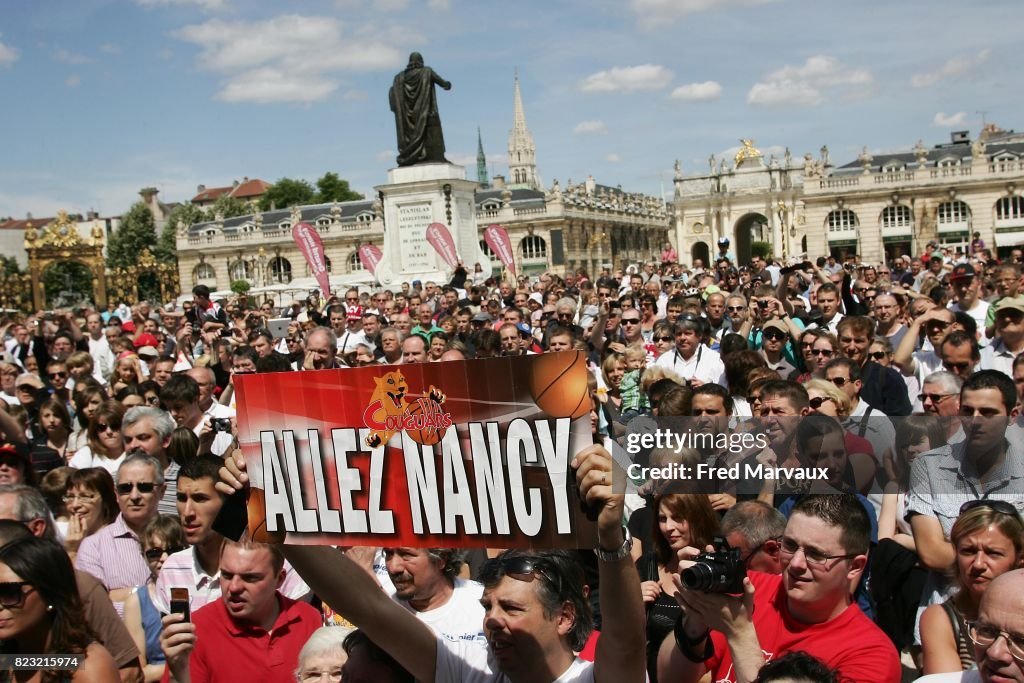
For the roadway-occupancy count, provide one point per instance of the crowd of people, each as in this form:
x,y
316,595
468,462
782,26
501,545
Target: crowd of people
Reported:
x,y
902,381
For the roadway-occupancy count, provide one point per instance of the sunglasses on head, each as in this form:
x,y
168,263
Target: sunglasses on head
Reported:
x,y
143,486
520,568
156,552
12,594
1000,506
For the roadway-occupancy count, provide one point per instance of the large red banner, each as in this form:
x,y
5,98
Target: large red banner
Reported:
x,y
370,256
497,239
462,453
441,239
312,248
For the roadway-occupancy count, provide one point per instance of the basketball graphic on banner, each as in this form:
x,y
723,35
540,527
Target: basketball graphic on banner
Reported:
x,y
257,508
558,384
423,420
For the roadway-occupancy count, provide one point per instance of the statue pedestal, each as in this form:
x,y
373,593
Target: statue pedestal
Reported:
x,y
415,197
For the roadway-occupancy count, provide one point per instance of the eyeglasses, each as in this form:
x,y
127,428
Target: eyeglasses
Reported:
x,y
735,309
156,552
57,375
827,353
101,427
937,324
520,568
839,381
775,335
934,398
1000,506
143,487
813,556
877,355
984,635
334,676
956,366
664,339
80,497
631,321
818,401
12,595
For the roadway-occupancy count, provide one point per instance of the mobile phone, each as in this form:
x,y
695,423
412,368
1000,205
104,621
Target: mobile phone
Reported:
x,y
278,327
179,603
221,424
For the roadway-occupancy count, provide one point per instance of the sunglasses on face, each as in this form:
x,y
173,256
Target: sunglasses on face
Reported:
x,y
57,375
631,321
12,593
156,552
955,366
101,427
664,339
775,335
934,398
143,486
827,353
839,381
877,355
818,401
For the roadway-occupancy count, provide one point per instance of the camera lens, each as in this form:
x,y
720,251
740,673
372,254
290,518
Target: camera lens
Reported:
x,y
700,577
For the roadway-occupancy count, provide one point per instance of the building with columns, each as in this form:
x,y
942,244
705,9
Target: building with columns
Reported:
x,y
584,225
876,206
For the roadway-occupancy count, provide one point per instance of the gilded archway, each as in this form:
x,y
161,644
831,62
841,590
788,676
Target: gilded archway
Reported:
x,y
125,282
60,242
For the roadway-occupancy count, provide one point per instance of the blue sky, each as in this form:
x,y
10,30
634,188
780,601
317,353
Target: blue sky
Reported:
x,y
104,97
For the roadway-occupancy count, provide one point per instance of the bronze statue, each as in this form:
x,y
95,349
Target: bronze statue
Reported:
x,y
417,121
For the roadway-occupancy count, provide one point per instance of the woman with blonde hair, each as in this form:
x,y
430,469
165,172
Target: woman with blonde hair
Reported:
x,y
988,539
106,446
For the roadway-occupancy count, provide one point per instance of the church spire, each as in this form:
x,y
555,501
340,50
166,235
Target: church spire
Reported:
x,y
481,162
522,162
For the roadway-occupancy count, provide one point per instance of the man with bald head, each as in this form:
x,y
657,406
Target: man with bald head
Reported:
x,y
885,309
207,384
997,636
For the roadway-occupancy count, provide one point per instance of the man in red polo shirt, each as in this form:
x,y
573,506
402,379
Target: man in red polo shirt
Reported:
x,y
253,634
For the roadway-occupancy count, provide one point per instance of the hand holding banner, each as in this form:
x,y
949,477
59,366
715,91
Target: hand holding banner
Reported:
x,y
441,239
312,248
497,239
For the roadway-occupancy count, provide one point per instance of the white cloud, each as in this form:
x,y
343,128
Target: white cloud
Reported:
x,y
628,79
941,120
109,49
652,13
805,85
697,92
272,61
355,95
8,55
590,128
957,66
73,81
612,158
65,57
205,5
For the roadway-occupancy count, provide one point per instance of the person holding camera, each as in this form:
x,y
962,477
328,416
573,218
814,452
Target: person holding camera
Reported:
x,y
808,607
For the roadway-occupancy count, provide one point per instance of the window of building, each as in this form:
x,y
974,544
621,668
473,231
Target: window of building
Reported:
x,y
490,205
354,264
953,212
323,222
947,162
285,225
204,271
486,249
240,270
1010,208
534,247
896,217
365,217
841,220
280,270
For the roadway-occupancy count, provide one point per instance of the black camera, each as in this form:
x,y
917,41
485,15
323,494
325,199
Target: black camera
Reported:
x,y
221,424
721,571
762,303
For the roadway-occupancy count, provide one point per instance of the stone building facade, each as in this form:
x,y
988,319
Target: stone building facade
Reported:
x,y
585,225
876,206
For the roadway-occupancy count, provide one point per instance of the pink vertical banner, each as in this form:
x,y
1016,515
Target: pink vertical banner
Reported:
x,y
312,248
441,239
369,256
497,239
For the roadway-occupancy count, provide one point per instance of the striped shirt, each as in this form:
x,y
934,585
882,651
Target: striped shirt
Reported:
x,y
114,556
182,570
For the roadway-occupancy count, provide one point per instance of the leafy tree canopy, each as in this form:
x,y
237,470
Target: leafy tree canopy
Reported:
x,y
136,232
331,188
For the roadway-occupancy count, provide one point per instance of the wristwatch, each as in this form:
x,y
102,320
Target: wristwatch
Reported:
x,y
616,555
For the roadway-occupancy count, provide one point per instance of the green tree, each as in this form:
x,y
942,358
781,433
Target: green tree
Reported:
x,y
166,248
136,232
762,249
286,193
67,284
331,188
240,286
9,265
229,207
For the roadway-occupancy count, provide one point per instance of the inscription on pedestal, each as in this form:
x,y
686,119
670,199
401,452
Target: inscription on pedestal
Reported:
x,y
416,253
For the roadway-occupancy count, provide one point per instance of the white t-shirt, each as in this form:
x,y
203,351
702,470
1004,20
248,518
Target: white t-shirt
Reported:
x,y
461,619
466,663
84,458
979,313
705,365
973,676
